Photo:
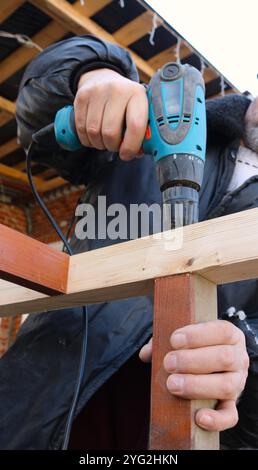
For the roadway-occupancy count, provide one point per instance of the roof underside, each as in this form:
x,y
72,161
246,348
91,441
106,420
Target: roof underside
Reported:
x,y
48,21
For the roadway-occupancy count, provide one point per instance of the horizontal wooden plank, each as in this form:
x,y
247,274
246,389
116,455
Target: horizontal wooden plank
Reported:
x,y
221,250
31,263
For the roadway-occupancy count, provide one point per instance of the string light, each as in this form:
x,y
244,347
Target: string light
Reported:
x,y
82,3
203,66
122,3
21,39
154,27
222,85
177,50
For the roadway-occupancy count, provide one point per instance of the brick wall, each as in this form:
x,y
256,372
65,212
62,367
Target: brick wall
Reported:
x,y
31,218
62,208
13,216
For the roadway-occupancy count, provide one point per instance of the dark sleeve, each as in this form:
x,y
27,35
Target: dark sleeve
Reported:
x,y
50,82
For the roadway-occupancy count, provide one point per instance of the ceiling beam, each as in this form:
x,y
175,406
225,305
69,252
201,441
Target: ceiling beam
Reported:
x,y
91,7
51,33
7,105
67,15
9,147
136,28
48,173
8,7
5,117
21,165
6,173
169,55
13,62
209,74
7,110
54,183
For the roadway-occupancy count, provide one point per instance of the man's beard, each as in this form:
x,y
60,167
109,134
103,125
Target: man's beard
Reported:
x,y
251,136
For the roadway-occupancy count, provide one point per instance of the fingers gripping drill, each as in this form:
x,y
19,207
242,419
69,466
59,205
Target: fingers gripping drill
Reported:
x,y
175,137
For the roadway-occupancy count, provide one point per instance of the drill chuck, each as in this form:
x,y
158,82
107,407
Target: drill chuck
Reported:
x,y
180,178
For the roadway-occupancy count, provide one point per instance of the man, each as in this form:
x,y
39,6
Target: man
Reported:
x,y
102,82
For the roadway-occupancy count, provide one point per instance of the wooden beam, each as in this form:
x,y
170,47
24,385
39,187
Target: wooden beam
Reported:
x,y
91,7
48,173
19,295
68,16
7,105
221,250
7,110
31,263
169,55
65,14
178,301
136,28
7,172
9,147
47,185
53,184
22,165
51,33
8,7
209,74
5,117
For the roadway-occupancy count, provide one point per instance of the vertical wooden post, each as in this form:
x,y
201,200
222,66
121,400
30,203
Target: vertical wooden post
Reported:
x,y
178,301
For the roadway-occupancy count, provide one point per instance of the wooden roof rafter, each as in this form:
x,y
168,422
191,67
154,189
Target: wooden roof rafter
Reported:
x,y
78,19
8,7
7,110
79,23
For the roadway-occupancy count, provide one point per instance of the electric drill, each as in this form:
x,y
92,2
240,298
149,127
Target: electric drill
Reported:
x,y
175,137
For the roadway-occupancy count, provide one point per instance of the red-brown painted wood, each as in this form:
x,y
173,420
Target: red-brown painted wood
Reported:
x,y
178,301
32,264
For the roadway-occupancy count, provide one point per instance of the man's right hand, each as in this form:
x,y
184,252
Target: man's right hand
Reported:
x,y
108,105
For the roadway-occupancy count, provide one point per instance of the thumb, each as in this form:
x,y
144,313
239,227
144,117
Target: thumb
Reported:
x,y
146,352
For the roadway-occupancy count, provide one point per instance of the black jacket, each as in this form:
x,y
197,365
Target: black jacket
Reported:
x,y
38,373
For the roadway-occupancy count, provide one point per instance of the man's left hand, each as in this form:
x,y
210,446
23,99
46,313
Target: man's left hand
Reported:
x,y
207,361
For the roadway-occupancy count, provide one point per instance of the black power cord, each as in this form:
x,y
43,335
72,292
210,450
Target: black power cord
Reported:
x,y
83,356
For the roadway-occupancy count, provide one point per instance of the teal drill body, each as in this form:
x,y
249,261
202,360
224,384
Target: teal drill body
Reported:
x,y
175,137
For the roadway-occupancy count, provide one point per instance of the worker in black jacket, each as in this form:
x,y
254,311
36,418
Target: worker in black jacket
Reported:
x,y
38,373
